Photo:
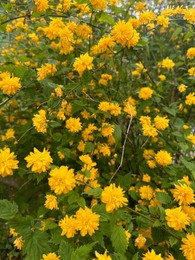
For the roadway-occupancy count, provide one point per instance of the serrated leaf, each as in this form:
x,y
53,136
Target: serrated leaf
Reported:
x,y
163,197
96,192
8,209
98,236
118,239
136,256
65,250
101,210
50,224
159,235
118,256
143,222
36,244
82,252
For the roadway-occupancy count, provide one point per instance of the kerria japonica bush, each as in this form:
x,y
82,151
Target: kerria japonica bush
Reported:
x,y
97,127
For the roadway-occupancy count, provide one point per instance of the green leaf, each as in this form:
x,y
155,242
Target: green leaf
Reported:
x,y
136,256
98,236
171,111
143,222
163,197
82,252
107,18
86,77
159,235
177,31
96,192
190,166
50,224
117,134
118,256
54,124
8,209
57,137
118,239
101,210
89,147
65,250
36,244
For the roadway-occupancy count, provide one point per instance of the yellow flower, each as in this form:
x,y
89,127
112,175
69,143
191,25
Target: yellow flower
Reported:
x,y
163,158
124,34
115,109
149,130
98,4
62,180
182,88
140,6
13,232
102,256
68,226
40,161
147,17
188,246
104,149
87,221
190,211
50,256
177,219
167,64
10,85
41,5
73,124
148,154
107,129
162,77
140,241
161,123
46,70
190,99
82,63
113,197
146,192
183,194
146,178
51,202
191,72
40,121
86,159
151,256
191,53
191,137
8,135
7,162
145,93
18,243
163,20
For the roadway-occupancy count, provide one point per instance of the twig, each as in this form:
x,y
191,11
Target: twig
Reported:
x,y
124,144
25,133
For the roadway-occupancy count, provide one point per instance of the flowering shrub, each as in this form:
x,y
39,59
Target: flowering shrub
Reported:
x,y
97,130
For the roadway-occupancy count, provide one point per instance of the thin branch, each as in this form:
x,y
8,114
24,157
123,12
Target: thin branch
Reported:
x,y
124,145
25,133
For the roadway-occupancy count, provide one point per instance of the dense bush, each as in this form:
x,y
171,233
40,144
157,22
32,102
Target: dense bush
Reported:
x,y
97,130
